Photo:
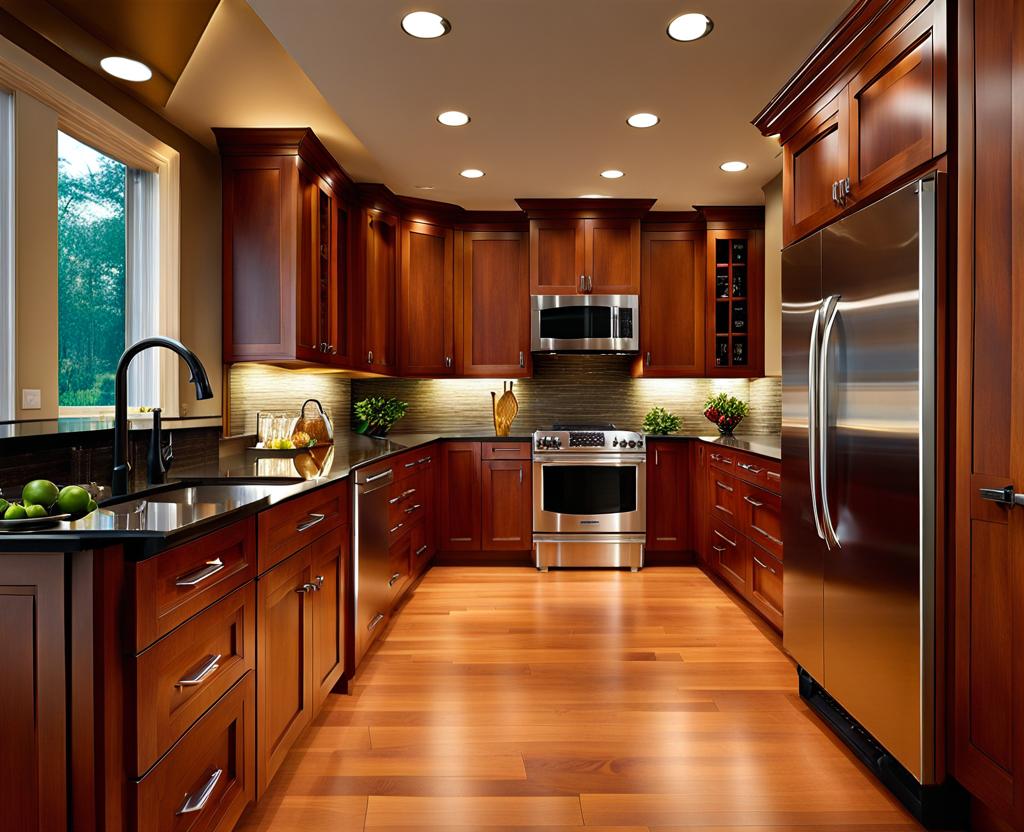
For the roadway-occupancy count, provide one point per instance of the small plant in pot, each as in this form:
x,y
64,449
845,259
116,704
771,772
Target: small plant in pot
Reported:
x,y
725,411
659,422
376,415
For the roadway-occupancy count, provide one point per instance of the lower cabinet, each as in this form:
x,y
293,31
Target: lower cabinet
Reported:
x,y
730,558
667,486
460,497
506,490
766,584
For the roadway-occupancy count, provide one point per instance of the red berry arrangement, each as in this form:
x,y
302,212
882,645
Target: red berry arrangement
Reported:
x,y
725,411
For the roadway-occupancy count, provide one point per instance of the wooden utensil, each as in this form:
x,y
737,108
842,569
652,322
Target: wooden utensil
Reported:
x,y
505,410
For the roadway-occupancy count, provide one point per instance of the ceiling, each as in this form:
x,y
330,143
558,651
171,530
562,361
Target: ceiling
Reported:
x,y
549,86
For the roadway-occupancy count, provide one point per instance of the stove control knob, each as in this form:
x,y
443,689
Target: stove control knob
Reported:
x,y
615,442
632,443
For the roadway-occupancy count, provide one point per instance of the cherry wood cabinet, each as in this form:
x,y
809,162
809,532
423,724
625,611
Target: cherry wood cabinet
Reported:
x,y
735,302
460,497
426,301
329,557
506,499
286,291
494,295
612,255
33,725
378,284
667,495
557,257
672,303
572,255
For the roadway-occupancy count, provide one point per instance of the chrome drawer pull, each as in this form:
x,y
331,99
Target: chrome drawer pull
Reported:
x,y
724,459
307,588
314,518
421,550
403,496
379,476
410,465
718,549
411,509
197,802
723,509
764,565
396,528
319,581
752,468
721,484
195,578
394,578
210,664
730,542
424,461
772,538
752,501
375,621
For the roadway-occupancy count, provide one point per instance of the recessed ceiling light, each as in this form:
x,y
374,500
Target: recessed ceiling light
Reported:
x,y
453,118
593,196
425,25
733,167
612,174
642,120
126,69
690,26
471,173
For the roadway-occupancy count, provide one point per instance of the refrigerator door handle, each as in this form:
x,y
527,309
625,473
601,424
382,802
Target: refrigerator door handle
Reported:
x,y
812,419
830,311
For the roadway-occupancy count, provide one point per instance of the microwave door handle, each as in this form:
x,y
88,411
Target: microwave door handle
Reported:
x,y
615,321
831,310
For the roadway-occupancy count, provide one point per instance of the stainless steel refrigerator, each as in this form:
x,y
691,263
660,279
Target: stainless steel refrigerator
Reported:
x,y
858,459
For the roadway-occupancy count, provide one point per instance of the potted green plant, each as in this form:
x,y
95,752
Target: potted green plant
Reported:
x,y
725,411
659,422
376,415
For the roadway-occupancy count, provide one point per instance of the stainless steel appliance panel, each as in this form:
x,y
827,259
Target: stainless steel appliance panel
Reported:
x,y
870,382
600,493
803,587
371,554
589,550
585,323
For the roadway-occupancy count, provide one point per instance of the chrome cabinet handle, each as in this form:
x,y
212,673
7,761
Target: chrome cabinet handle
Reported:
x,y
448,361
522,358
375,621
761,531
314,518
319,581
379,476
719,549
396,528
520,474
212,567
830,312
647,358
210,664
723,509
369,357
421,550
844,190
721,484
590,283
835,191
752,468
423,461
752,501
763,565
727,460
403,496
394,578
411,464
413,508
307,587
1006,496
197,802
581,285
730,542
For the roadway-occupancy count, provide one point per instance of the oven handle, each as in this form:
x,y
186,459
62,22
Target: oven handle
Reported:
x,y
590,459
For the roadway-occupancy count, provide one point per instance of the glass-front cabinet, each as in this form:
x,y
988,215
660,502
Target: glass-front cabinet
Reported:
x,y
735,329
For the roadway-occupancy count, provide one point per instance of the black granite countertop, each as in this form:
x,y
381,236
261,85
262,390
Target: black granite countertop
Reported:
x,y
769,445
23,428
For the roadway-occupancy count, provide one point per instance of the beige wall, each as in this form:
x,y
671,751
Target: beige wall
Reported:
x,y
773,277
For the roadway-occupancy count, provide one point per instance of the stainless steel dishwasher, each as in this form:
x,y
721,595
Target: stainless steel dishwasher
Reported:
x,y
371,554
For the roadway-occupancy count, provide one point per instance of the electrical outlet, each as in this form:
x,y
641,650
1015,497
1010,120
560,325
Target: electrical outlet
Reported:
x,y
31,399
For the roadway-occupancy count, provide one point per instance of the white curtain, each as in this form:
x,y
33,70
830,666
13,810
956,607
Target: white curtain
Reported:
x,y
7,323
142,285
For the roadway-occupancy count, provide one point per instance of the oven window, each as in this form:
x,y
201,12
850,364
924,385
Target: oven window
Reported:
x,y
589,489
570,322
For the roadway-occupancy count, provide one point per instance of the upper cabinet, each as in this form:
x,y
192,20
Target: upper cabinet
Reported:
x,y
735,302
426,301
377,281
851,136
285,249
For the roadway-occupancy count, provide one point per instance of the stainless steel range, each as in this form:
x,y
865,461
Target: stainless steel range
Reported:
x,y
589,497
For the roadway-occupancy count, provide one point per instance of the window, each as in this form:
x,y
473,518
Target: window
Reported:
x,y
7,322
107,267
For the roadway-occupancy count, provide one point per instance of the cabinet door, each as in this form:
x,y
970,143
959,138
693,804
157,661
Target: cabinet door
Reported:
x,y
672,305
612,256
813,160
285,681
557,256
666,496
329,562
426,301
495,291
897,108
313,277
32,723
507,505
735,303
459,499
766,585
381,266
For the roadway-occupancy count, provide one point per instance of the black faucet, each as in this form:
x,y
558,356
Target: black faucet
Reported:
x,y
122,467
161,456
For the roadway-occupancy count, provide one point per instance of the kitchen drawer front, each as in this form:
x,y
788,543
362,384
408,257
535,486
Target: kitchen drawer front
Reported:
x,y
761,517
412,463
405,500
205,781
766,585
421,548
399,562
766,473
287,527
175,585
727,550
504,450
724,497
722,460
179,677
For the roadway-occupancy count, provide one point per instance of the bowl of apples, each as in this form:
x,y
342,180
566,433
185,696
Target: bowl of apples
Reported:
x,y
44,505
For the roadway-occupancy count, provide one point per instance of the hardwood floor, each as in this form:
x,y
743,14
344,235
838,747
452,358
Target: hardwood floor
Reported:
x,y
503,699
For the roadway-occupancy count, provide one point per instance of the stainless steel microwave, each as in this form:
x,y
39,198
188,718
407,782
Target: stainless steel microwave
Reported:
x,y
585,323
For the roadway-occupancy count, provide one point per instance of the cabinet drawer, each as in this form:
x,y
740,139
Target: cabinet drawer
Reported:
x,y
286,528
410,464
766,585
723,460
724,493
727,548
756,470
761,517
405,501
205,781
399,561
421,548
175,585
505,450
180,676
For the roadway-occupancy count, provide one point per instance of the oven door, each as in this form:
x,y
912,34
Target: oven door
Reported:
x,y
584,323
580,493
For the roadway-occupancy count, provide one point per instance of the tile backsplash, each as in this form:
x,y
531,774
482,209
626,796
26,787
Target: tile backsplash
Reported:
x,y
254,387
